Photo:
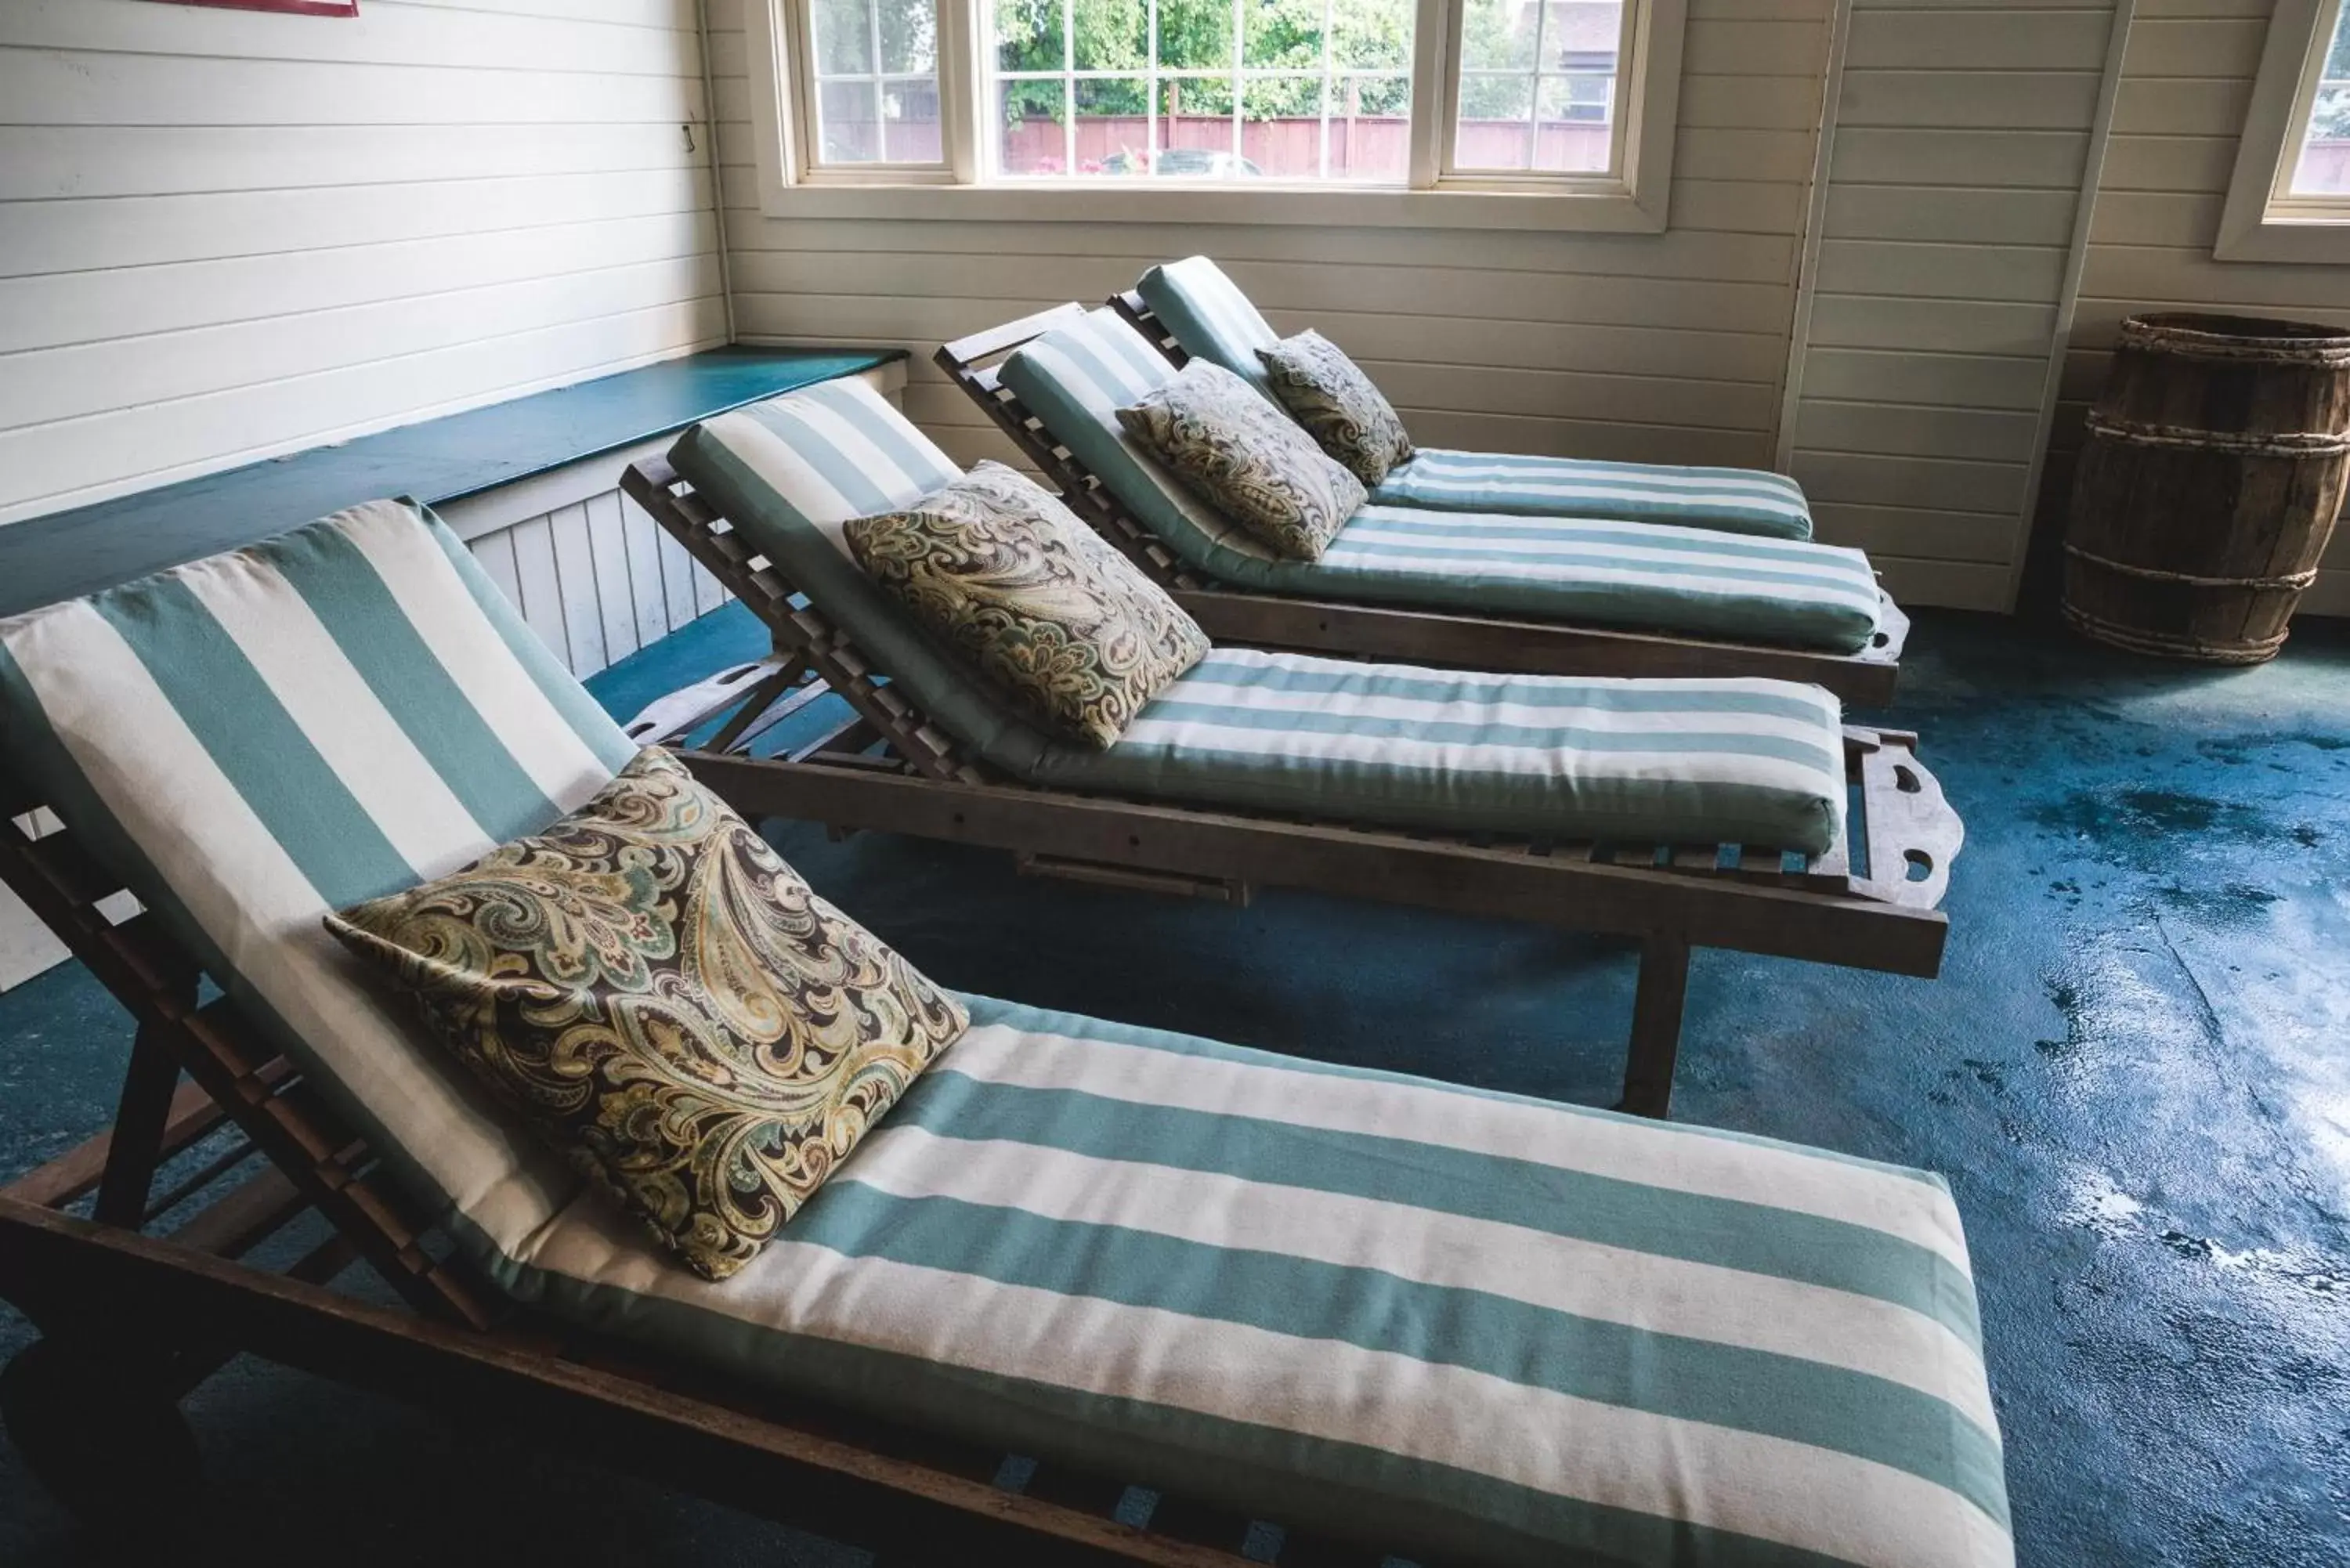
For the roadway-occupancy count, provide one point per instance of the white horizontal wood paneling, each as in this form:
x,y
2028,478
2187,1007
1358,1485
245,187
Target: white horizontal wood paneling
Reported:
x,y
2187,79
1666,347
1960,138
226,235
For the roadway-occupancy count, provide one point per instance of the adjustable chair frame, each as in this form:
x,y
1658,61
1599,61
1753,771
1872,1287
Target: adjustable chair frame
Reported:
x,y
133,1316
892,768
1360,630
137,1305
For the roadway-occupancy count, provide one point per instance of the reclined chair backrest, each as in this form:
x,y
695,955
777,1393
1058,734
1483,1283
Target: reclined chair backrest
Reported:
x,y
1208,315
1074,380
254,739
787,473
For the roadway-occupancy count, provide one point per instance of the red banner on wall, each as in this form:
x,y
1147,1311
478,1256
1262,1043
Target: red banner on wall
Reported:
x,y
300,7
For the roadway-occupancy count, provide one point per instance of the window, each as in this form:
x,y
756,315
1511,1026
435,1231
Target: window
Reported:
x,y
1203,89
873,76
1223,110
2290,197
1538,81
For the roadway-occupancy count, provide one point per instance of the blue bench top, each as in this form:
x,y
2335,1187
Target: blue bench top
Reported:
x,y
64,554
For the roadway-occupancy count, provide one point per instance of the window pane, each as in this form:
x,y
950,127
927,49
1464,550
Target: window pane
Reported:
x,y
1195,34
1113,126
1371,34
847,128
1215,119
1496,122
1370,128
1028,36
1113,35
2324,169
844,36
1285,34
1554,119
1579,34
1195,116
910,120
1281,133
1033,140
910,36
1497,35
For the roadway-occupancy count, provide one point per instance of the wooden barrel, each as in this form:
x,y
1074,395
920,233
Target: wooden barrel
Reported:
x,y
2214,466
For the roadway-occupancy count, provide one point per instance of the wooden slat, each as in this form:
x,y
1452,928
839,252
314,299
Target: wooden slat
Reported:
x,y
75,1172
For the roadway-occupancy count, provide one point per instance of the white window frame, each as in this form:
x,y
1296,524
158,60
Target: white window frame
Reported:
x,y
2263,220
1632,199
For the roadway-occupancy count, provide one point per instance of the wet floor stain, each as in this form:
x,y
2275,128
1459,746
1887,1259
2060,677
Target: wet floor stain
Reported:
x,y
2135,1072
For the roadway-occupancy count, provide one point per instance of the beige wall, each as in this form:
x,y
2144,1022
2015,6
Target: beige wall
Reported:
x,y
2187,78
226,235
1667,347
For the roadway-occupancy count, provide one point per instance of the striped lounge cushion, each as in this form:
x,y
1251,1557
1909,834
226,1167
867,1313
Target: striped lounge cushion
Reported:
x,y
1205,311
1591,570
1727,500
1747,762
260,737
1710,761
1472,1326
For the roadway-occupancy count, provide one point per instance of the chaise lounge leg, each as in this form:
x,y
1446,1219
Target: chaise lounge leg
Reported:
x,y
1656,1024
137,1146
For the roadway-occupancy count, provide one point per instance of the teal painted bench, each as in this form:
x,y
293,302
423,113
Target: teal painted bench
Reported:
x,y
456,458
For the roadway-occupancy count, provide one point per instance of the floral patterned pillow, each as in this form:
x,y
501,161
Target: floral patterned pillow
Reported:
x,y
1338,405
665,1001
1007,576
1220,436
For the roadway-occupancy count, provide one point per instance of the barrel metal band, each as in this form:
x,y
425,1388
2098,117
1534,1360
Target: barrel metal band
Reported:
x,y
2292,580
2280,444
2177,344
2171,645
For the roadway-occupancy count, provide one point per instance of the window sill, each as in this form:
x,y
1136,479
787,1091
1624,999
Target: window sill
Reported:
x,y
1608,208
2320,242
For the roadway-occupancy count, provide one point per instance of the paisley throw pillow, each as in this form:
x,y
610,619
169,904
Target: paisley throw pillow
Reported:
x,y
1220,436
1005,574
664,1001
1338,405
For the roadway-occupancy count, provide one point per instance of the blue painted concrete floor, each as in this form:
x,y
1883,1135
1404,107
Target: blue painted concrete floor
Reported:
x,y
2135,1070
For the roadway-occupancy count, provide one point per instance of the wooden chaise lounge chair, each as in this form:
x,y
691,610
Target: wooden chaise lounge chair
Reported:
x,y
929,754
1192,309
1396,1317
1619,598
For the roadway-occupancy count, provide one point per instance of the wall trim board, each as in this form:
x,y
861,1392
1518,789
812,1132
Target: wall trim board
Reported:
x,y
2068,298
708,153
1816,214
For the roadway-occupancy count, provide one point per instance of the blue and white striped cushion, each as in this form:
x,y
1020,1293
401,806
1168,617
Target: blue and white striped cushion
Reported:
x,y
788,473
1392,745
1707,761
260,737
1472,1327
1205,312
1729,500
1585,570
1476,1325
833,452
